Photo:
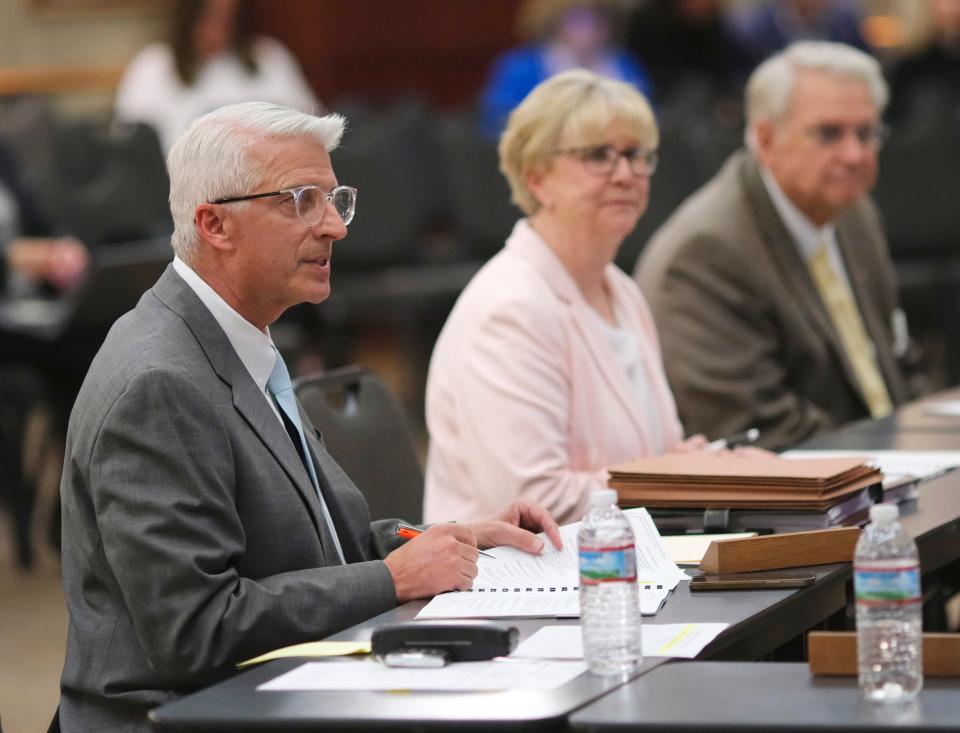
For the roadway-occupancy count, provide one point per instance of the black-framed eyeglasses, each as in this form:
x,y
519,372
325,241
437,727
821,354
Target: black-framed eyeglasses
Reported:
x,y
829,134
310,202
603,159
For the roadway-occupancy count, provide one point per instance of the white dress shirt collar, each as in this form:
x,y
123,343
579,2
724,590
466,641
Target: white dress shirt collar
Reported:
x,y
253,346
805,233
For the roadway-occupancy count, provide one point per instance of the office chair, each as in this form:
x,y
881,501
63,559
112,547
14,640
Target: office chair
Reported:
x,y
364,429
106,189
479,196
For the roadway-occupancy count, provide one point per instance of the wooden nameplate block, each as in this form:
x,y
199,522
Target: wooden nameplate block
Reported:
x,y
835,653
774,551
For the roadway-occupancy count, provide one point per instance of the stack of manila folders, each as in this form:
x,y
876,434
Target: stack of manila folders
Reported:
x,y
761,492
757,482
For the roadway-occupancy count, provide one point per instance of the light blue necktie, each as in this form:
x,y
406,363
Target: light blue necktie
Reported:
x,y
280,386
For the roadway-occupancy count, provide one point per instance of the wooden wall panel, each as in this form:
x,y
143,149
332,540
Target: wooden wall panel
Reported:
x,y
438,49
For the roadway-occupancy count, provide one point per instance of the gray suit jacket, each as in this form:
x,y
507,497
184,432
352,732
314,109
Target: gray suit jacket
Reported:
x,y
746,339
192,535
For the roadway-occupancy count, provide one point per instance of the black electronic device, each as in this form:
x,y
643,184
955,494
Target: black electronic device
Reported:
x,y
461,641
770,580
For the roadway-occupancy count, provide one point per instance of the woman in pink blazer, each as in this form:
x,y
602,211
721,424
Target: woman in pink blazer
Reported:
x,y
548,370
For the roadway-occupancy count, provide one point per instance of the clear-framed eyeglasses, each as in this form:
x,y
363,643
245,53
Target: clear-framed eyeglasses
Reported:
x,y
603,159
310,202
828,134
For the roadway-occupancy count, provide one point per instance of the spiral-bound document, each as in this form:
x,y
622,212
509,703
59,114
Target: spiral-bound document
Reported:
x,y
544,602
513,583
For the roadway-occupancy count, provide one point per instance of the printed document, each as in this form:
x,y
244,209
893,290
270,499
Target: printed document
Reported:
x,y
513,583
895,464
525,674
657,640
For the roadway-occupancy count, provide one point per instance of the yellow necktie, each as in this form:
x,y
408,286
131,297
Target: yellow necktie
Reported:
x,y
853,335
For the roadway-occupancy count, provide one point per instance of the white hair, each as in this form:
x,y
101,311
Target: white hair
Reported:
x,y
771,84
212,159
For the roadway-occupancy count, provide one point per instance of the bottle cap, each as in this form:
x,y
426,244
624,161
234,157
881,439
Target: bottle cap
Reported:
x,y
603,497
884,513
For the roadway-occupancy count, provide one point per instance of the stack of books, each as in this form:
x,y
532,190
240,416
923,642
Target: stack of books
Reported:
x,y
760,492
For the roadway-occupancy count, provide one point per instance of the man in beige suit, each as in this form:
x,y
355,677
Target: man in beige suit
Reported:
x,y
771,286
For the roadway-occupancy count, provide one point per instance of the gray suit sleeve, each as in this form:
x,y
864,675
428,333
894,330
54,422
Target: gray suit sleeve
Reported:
x,y
720,349
163,484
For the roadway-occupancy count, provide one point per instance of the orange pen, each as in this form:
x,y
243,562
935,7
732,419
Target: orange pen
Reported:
x,y
408,533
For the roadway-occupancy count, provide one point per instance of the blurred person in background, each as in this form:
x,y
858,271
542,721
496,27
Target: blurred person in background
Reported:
x,y
933,69
548,369
211,59
34,261
684,43
772,285
33,256
568,34
767,27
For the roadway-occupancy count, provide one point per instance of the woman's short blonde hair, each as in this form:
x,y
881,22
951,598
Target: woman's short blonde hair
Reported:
x,y
576,107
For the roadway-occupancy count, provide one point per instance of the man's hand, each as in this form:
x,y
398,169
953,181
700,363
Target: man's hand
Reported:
x,y
443,558
516,526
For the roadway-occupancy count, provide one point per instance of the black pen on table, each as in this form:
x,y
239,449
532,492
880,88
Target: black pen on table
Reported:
x,y
745,437
408,533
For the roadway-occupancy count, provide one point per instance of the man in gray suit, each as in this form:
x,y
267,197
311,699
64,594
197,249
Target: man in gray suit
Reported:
x,y
773,291
203,521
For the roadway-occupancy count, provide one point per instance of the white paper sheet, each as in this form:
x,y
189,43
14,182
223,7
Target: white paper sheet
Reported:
x,y
943,408
689,549
463,676
894,463
510,568
657,640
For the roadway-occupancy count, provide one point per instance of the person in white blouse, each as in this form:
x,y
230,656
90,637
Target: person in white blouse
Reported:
x,y
210,61
548,370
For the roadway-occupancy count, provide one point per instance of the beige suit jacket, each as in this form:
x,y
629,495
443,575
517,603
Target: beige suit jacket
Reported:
x,y
746,339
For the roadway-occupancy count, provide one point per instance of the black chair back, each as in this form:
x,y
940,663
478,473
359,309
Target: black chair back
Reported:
x,y
364,429
479,196
389,160
108,189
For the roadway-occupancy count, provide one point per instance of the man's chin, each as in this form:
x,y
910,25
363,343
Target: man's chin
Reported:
x,y
318,294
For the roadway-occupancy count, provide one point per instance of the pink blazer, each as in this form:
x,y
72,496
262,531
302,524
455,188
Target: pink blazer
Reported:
x,y
525,396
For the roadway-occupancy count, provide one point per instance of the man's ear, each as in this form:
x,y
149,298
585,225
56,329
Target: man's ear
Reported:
x,y
213,227
764,132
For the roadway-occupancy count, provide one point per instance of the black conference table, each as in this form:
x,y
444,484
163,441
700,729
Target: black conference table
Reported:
x,y
747,697
691,696
760,623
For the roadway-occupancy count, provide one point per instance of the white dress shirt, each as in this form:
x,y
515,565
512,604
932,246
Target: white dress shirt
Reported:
x,y
151,90
253,346
631,358
806,235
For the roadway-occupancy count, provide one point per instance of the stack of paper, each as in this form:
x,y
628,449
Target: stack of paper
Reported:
x,y
764,482
513,583
895,464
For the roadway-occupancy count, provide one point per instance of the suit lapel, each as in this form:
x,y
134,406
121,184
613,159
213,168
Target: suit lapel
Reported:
x,y
793,271
248,400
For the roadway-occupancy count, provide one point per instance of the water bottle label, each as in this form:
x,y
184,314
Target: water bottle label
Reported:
x,y
606,564
886,584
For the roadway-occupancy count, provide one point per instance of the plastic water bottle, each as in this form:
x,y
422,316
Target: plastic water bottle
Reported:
x,y
886,573
609,600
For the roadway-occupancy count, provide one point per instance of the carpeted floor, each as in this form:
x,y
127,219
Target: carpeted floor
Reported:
x,y
33,634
